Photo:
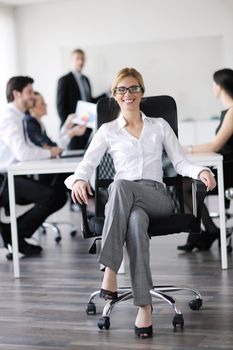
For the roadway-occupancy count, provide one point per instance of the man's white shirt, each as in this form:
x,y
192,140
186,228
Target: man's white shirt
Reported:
x,y
13,146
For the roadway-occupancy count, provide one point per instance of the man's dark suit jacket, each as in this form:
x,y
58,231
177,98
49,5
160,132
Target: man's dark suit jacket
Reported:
x,y
68,94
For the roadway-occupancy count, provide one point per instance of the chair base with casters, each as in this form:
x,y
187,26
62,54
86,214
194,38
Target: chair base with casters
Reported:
x,y
158,292
54,226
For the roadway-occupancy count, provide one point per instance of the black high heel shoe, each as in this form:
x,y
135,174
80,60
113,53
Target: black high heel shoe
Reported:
x,y
144,332
194,241
209,238
141,331
202,241
107,294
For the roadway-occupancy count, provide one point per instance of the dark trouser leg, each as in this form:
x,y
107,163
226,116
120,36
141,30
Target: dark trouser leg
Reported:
x,y
47,200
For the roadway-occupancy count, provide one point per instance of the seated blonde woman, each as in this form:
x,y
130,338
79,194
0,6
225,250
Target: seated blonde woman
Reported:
x,y
135,142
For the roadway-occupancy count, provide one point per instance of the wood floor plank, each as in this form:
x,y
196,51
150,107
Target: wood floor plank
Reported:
x,y
45,309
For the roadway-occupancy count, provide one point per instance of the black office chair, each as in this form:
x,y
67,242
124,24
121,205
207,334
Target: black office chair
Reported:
x,y
160,106
228,186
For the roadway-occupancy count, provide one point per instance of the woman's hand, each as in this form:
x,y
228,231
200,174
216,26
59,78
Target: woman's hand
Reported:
x,y
80,191
208,179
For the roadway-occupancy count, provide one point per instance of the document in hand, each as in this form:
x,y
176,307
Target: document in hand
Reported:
x,y
86,114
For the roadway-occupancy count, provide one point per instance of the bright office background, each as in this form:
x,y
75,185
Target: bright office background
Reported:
x,y
176,44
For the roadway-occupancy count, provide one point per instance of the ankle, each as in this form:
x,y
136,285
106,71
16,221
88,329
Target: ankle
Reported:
x,y
144,316
109,280
145,308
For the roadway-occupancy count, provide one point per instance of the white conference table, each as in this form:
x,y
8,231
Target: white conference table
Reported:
x,y
45,166
68,165
215,160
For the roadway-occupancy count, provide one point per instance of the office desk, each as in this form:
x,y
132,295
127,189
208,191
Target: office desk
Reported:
x,y
46,166
216,160
67,165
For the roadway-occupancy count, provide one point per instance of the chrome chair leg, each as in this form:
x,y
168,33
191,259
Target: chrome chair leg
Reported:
x,y
54,227
158,292
194,304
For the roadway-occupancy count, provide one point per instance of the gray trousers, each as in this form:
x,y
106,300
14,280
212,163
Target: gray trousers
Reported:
x,y
127,213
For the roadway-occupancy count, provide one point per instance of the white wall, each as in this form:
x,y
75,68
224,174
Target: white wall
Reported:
x,y
8,59
46,31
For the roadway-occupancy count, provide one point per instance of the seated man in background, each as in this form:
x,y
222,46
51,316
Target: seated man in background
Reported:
x,y
36,130
15,146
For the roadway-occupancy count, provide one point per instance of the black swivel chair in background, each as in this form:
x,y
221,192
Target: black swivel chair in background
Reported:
x,y
160,106
228,186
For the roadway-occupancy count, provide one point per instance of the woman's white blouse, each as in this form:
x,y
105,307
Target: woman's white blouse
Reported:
x,y
135,159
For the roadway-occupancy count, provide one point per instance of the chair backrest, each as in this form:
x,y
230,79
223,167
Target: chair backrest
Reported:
x,y
154,107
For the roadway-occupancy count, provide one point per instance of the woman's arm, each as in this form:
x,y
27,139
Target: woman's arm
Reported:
x,y
222,136
183,167
92,157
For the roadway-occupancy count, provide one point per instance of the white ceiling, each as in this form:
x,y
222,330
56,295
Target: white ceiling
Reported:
x,y
23,2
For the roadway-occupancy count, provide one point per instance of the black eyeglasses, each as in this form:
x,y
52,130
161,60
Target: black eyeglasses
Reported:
x,y
121,90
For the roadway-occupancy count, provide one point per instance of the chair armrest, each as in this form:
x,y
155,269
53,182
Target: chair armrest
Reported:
x,y
85,227
177,183
199,192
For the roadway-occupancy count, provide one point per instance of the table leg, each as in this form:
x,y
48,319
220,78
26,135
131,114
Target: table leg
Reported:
x,y
222,217
14,232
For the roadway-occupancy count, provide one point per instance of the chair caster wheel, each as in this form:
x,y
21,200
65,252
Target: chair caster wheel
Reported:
x,y
104,322
195,304
73,233
42,230
91,309
58,239
178,320
9,256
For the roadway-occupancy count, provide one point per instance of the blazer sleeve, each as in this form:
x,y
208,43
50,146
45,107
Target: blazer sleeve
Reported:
x,y
62,99
94,99
36,135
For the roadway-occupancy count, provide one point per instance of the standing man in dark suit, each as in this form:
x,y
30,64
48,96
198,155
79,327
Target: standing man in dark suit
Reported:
x,y
71,88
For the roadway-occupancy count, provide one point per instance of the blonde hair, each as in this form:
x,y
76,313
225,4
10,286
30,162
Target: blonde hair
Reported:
x,y
127,72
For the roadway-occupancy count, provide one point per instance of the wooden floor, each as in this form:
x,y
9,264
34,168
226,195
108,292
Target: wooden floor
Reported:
x,y
45,309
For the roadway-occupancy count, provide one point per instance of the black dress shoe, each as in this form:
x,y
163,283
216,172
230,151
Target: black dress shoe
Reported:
x,y
29,249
